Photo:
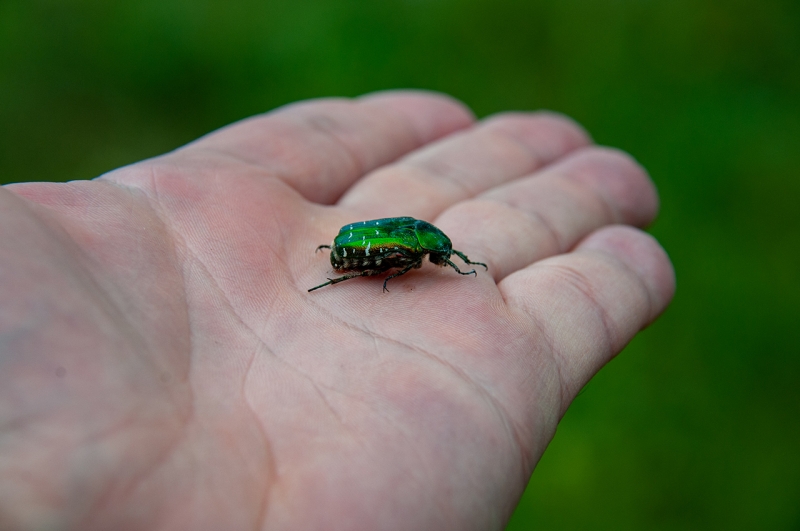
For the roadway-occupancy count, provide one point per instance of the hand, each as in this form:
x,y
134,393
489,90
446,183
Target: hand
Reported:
x,y
162,365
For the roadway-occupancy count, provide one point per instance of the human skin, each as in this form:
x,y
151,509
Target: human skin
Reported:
x,y
162,365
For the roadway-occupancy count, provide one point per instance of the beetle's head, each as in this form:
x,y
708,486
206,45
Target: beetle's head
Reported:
x,y
439,258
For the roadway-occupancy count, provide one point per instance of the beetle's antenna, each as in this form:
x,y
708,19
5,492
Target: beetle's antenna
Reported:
x,y
322,247
467,260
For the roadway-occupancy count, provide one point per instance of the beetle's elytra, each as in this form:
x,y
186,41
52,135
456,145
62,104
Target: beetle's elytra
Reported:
x,y
373,247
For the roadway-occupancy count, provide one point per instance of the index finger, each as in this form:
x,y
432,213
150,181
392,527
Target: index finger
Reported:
x,y
321,147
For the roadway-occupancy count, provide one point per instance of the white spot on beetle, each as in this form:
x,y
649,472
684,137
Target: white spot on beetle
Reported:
x,y
368,246
344,252
376,233
378,262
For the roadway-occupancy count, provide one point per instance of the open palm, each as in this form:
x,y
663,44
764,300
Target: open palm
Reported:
x,y
162,365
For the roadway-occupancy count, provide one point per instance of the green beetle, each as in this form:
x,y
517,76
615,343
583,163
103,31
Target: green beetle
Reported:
x,y
373,247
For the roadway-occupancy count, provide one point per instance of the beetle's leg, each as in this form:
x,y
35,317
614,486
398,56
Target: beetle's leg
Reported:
x,y
467,260
322,247
451,264
401,272
348,276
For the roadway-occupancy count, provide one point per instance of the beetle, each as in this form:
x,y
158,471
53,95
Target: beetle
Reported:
x,y
373,247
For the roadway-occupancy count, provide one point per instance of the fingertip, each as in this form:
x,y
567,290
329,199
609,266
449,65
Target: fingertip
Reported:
x,y
550,133
617,177
431,114
641,253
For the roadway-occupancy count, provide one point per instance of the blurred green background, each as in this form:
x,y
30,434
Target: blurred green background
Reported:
x,y
697,424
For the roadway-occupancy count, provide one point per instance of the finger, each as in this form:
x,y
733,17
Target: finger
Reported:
x,y
548,212
321,147
588,304
463,165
